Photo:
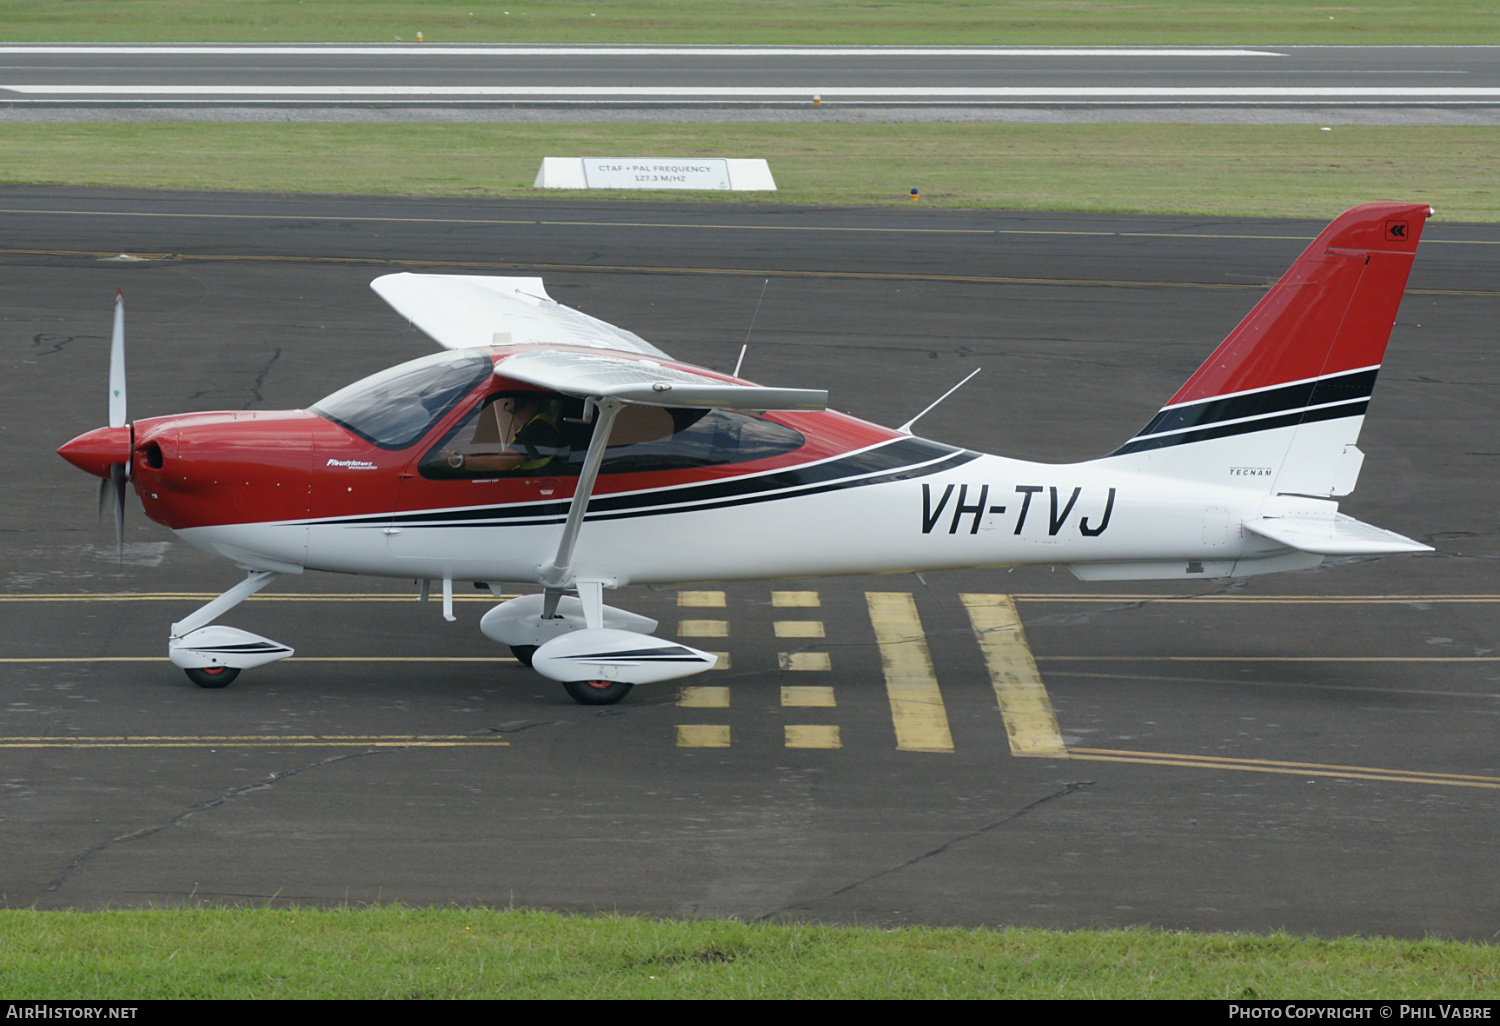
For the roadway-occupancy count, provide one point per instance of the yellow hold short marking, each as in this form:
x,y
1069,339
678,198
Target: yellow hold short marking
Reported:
x,y
703,629
703,698
917,710
1030,722
701,599
795,599
216,741
805,697
799,629
812,661
703,735
812,736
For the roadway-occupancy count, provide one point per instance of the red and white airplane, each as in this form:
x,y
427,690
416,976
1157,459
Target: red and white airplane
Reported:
x,y
547,448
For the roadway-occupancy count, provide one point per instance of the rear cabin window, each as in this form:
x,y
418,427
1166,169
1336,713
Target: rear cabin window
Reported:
x,y
395,408
542,434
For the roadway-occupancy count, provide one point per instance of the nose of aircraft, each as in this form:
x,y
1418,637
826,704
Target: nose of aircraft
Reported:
x,y
94,451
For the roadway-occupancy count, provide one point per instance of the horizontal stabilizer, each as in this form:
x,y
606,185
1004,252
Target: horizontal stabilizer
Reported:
x,y
462,311
1337,535
648,383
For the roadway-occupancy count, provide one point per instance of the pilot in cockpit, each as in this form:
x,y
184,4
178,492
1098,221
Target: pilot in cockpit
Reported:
x,y
510,433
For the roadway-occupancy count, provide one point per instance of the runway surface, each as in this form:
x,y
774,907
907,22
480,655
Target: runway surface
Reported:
x,y
1387,82
1311,751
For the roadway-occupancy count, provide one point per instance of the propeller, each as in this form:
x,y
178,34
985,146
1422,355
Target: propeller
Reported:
x,y
117,364
119,473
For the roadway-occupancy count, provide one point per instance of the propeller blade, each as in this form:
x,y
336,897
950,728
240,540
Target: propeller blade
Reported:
x,y
117,364
103,497
117,479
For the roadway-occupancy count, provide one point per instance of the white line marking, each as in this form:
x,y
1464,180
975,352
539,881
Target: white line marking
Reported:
x,y
836,92
423,50
801,99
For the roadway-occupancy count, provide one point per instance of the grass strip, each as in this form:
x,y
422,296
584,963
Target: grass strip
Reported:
x,y
956,22
1220,170
401,952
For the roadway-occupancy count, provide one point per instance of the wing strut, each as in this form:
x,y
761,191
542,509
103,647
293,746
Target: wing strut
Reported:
x,y
555,575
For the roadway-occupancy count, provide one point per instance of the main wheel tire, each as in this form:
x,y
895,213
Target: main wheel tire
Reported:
x,y
213,676
597,692
523,653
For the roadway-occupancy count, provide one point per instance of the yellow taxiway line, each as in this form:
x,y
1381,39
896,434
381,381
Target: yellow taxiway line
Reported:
x,y
1288,768
1084,597
259,741
732,272
1377,689
917,709
291,659
204,596
697,226
1266,659
1336,600
1030,723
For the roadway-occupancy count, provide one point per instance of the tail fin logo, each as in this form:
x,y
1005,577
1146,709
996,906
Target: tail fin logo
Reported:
x,y
1396,231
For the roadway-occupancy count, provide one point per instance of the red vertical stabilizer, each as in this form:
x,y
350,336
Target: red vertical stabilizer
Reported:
x,y
1330,313
1279,405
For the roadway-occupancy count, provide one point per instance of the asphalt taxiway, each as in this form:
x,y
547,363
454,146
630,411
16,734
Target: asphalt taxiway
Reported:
x,y
1311,751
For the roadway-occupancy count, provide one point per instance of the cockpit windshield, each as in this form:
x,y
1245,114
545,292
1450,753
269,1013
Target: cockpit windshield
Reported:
x,y
395,408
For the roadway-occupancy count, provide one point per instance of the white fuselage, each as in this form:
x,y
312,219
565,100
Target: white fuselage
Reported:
x,y
989,511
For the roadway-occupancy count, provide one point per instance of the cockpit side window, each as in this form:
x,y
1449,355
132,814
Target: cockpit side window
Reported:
x,y
395,408
509,433
542,434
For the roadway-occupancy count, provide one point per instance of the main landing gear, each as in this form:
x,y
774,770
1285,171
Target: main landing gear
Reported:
x,y
212,676
596,652
584,692
597,692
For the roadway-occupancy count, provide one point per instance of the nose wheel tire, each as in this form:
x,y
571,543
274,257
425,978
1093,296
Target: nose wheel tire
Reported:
x,y
597,692
212,676
523,653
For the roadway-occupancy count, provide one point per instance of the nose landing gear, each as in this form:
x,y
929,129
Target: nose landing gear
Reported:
x,y
212,655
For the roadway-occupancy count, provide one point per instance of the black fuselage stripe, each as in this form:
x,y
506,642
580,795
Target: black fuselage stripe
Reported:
x,y
898,460
1351,409
957,460
637,656
249,647
1336,389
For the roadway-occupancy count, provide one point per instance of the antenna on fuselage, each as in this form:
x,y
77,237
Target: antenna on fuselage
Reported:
x,y
905,429
740,362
